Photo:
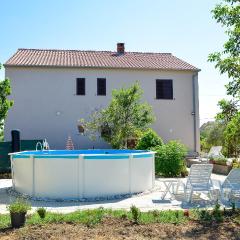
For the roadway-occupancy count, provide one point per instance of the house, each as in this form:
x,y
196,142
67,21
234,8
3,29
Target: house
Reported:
x,y
53,89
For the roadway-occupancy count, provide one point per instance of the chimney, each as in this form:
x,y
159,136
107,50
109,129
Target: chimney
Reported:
x,y
120,48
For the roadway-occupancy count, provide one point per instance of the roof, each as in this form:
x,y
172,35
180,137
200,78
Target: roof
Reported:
x,y
96,59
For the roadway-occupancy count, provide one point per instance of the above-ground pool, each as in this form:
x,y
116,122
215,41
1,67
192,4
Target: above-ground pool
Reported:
x,y
82,174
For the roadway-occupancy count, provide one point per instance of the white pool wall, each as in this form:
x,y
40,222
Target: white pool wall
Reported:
x,y
83,176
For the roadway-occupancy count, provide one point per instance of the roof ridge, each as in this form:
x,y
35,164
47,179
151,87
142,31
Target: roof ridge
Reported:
x,y
76,50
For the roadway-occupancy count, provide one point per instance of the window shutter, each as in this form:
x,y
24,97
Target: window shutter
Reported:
x,y
101,86
80,89
164,89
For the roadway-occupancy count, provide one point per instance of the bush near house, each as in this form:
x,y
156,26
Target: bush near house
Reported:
x,y
149,140
169,159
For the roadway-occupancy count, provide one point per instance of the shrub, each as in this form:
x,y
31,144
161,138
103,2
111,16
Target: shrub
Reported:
x,y
94,217
124,216
41,212
169,159
235,163
19,206
155,213
205,216
217,213
233,205
136,213
149,140
184,171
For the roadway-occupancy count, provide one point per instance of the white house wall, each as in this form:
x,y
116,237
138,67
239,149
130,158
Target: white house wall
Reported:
x,y
46,104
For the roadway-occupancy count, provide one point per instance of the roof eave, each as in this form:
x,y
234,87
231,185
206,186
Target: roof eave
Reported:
x,y
101,67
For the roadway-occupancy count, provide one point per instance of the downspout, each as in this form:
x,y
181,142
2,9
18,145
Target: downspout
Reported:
x,y
194,112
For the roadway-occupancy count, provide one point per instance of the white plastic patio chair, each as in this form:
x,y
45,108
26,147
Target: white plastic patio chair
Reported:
x,y
215,151
198,180
232,183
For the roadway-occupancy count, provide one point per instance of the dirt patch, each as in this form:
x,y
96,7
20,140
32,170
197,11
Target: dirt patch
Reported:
x,y
112,228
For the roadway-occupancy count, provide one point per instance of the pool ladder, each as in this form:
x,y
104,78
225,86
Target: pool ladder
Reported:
x,y
39,144
43,146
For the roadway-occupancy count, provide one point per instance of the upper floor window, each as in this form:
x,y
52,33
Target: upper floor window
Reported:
x,y
101,86
80,86
164,89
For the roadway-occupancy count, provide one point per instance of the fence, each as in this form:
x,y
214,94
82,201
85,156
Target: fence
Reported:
x,y
6,148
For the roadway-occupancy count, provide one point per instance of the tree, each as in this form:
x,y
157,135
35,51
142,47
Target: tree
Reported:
x,y
125,117
229,109
212,134
206,128
5,104
232,135
216,136
228,61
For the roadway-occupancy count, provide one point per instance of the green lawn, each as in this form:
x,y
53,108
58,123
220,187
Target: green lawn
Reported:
x,y
93,217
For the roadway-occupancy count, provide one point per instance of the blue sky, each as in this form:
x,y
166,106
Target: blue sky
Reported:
x,y
184,28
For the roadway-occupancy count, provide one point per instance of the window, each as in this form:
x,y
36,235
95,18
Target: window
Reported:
x,y
101,86
164,89
80,88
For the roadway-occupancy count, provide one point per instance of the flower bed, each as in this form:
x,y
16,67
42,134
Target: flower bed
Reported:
x,y
220,165
221,169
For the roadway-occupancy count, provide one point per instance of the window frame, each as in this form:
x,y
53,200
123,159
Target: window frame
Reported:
x,y
79,93
168,97
98,87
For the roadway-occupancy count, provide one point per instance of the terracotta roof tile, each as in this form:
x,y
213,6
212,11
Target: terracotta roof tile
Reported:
x,y
97,59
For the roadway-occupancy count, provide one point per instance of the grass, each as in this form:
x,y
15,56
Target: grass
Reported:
x,y
92,217
4,221
87,217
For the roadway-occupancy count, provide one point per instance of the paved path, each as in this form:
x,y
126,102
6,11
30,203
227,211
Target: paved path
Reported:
x,y
145,201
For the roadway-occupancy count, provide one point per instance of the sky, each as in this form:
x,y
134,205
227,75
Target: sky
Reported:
x,y
184,28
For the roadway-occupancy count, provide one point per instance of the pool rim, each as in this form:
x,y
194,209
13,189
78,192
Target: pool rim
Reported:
x,y
25,154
